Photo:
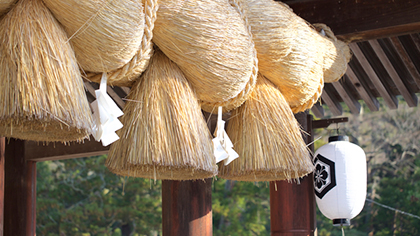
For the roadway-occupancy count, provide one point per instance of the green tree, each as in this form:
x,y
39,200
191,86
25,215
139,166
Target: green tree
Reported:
x,y
240,208
81,196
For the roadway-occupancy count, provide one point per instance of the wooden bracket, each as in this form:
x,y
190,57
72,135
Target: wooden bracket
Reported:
x,y
319,124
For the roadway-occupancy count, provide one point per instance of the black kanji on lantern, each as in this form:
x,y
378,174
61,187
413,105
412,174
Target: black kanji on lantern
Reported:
x,y
324,175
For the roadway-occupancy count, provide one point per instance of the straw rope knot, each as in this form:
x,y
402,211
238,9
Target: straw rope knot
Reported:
x,y
126,75
235,102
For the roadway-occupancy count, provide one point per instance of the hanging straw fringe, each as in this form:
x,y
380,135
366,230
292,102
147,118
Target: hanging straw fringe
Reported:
x,y
126,75
210,43
5,6
267,138
164,134
290,52
41,89
337,55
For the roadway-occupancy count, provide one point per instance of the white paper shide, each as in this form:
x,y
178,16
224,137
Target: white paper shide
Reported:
x,y
223,147
105,115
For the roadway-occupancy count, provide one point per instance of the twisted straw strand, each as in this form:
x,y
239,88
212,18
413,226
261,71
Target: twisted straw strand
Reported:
x,y
243,95
126,75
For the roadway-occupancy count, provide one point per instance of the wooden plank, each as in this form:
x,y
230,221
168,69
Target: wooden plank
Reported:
x,y
19,191
351,102
318,110
364,93
126,90
322,124
331,102
402,53
409,96
35,151
389,98
186,208
2,168
90,88
416,40
292,205
115,97
361,20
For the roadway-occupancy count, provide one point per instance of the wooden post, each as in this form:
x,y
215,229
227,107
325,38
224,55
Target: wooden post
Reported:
x,y
293,204
19,191
186,208
2,148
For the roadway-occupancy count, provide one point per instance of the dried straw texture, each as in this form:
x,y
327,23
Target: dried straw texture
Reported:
x,y
41,89
5,6
290,52
164,134
336,57
105,34
209,41
311,102
267,138
126,75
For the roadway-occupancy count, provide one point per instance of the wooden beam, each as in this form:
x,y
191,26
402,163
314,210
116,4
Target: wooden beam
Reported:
x,y
35,151
126,90
2,169
351,102
186,208
402,53
331,102
292,205
322,124
90,88
416,40
361,20
19,191
115,97
409,96
389,98
318,110
363,91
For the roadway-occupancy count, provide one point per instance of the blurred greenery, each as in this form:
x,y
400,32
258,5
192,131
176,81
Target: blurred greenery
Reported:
x,y
81,197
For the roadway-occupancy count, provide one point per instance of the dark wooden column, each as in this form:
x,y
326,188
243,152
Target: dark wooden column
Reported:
x,y
2,148
19,191
292,205
186,208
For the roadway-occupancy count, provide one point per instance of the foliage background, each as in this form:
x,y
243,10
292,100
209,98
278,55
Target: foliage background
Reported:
x,y
81,197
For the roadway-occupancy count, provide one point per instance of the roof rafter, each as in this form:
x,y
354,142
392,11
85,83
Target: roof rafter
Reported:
x,y
361,20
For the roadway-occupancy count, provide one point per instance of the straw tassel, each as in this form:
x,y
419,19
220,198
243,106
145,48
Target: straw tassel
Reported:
x,y
267,138
164,134
41,90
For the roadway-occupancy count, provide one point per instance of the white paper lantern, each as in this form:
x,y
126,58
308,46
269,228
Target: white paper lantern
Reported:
x,y
340,180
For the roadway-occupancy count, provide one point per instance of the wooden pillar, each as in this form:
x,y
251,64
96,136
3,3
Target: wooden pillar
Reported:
x,y
293,204
2,148
186,208
19,191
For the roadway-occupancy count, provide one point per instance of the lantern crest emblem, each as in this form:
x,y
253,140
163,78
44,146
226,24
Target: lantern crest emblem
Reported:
x,y
324,175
